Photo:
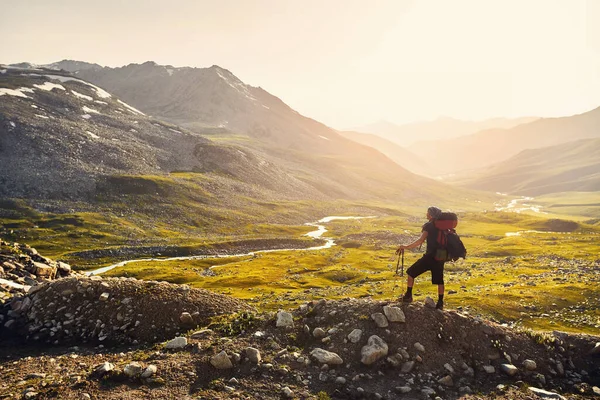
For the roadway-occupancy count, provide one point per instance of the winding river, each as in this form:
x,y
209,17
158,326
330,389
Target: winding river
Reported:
x,y
314,234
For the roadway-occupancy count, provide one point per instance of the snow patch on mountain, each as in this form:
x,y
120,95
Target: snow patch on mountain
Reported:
x,y
239,86
41,116
130,108
89,110
48,86
103,94
324,137
82,96
16,92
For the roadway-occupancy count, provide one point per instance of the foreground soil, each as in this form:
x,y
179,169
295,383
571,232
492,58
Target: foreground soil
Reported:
x,y
247,355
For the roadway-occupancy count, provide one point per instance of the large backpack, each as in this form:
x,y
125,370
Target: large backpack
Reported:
x,y
449,245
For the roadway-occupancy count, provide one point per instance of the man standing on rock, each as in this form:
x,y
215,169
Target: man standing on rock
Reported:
x,y
428,261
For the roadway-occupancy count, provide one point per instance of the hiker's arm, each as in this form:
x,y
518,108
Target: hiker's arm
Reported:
x,y
414,244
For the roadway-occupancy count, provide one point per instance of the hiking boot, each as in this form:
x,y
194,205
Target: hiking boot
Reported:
x,y
439,305
407,298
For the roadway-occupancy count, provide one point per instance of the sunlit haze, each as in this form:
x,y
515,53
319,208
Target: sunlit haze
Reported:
x,y
344,63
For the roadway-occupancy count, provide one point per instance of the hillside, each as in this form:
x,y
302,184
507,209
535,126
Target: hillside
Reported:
x,y
568,167
395,152
492,146
439,129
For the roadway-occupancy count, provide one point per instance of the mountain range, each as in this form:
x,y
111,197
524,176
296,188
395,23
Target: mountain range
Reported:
x,y
567,167
439,129
60,126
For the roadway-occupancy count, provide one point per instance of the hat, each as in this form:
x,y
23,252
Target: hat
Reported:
x,y
434,212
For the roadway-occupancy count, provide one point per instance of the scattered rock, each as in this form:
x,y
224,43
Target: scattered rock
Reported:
x,y
319,333
509,369
545,394
407,367
177,343
489,369
104,368
355,335
375,349
595,350
419,347
380,320
529,365
133,369
394,314
446,381
285,320
287,392
104,296
326,357
149,371
186,318
203,334
253,355
221,361
429,302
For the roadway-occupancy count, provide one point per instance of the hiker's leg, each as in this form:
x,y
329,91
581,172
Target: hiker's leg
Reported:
x,y
437,278
415,270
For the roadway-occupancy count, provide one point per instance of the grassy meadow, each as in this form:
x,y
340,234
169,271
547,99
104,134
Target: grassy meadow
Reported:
x,y
535,270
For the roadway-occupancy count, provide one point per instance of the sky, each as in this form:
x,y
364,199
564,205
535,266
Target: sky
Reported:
x,y
345,63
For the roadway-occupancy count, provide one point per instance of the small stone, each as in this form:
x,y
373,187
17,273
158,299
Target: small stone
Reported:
x,y
319,333
446,381
529,365
394,314
221,361
177,343
449,368
545,394
419,347
596,390
186,318
104,296
104,368
489,369
287,392
149,371
595,350
375,349
132,369
340,380
407,367
429,302
380,320
403,389
427,392
285,320
203,334
326,357
253,355
509,369
355,335
234,381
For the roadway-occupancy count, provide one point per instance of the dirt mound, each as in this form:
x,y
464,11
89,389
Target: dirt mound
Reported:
x,y
324,350
122,310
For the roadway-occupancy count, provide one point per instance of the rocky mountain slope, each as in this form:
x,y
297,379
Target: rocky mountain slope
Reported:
x,y
57,128
488,147
568,167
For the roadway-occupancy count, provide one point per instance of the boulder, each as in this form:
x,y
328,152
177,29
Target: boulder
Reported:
x,y
394,314
221,361
43,270
284,320
509,369
253,354
133,369
529,365
319,333
177,343
380,320
326,357
375,349
355,335
149,371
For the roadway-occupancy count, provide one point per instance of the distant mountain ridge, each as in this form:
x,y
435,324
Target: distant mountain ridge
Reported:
x,y
567,167
439,129
488,147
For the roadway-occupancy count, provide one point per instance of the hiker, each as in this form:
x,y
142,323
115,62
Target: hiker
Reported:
x,y
428,261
